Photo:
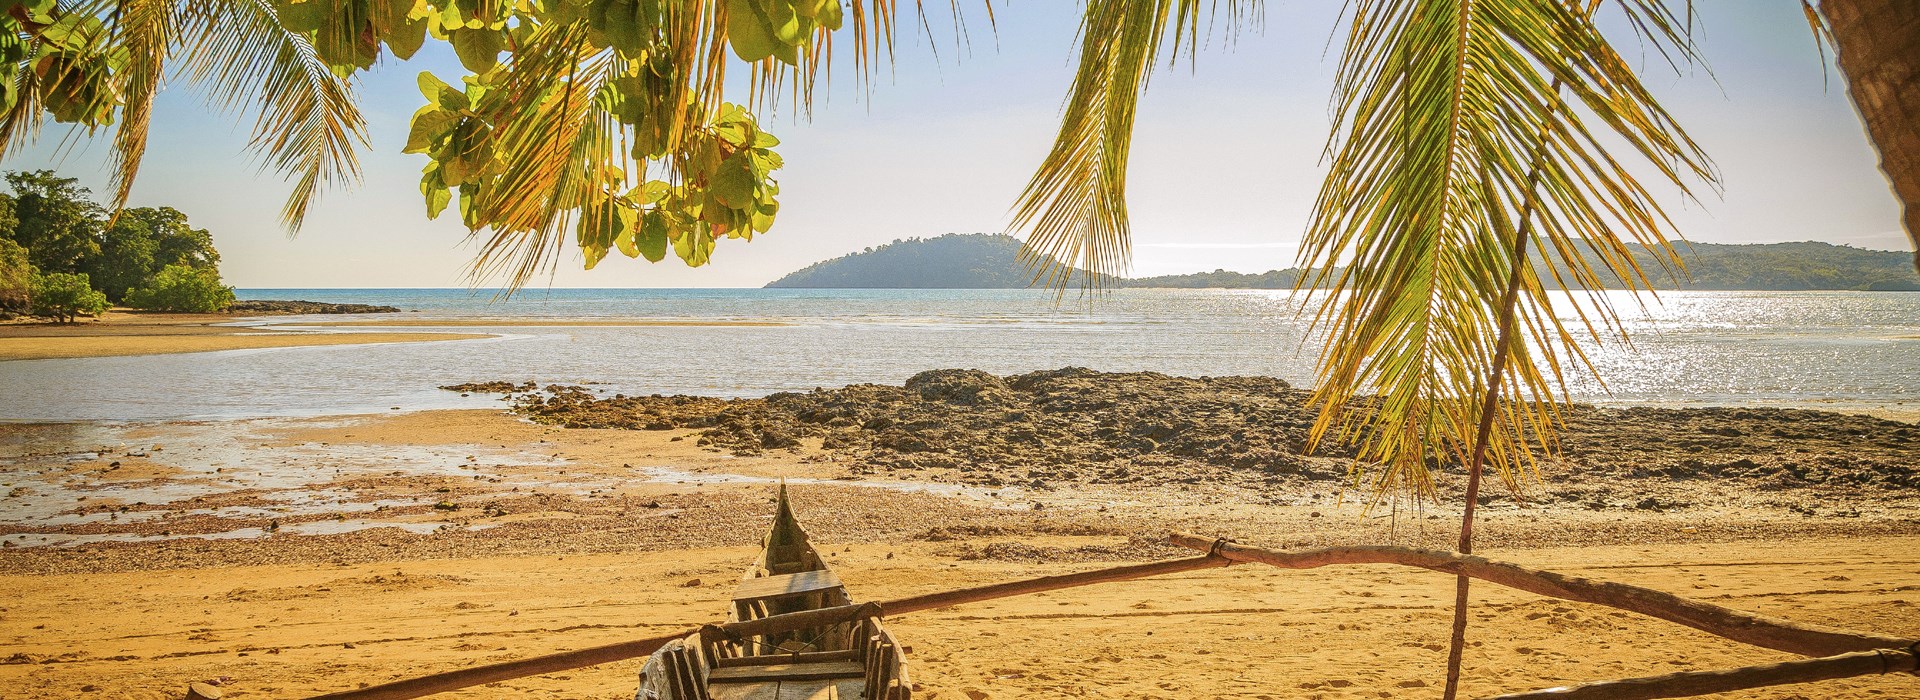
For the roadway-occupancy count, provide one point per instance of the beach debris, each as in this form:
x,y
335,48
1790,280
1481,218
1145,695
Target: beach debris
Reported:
x,y
204,691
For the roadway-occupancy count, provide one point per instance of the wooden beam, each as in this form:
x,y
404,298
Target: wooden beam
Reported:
x,y
493,673
1042,584
1758,630
794,621
552,663
1691,683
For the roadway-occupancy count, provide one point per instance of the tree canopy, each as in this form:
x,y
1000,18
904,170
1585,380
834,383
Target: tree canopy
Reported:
x,y
183,289
58,228
65,295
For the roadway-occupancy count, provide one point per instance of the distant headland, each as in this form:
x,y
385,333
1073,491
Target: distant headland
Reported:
x,y
992,261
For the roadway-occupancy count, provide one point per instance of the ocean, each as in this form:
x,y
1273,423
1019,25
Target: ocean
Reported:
x,y
1839,350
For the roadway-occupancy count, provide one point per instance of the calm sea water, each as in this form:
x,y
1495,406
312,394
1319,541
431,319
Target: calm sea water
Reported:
x,y
1850,350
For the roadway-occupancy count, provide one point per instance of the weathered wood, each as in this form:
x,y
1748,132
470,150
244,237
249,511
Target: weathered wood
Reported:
x,y
745,691
943,599
790,622
1750,628
509,670
781,585
551,663
820,690
786,672
804,657
1691,683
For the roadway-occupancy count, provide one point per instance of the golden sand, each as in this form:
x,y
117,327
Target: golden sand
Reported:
x,y
119,345
1245,631
119,333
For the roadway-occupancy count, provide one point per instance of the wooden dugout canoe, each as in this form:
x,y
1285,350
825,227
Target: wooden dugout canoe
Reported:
x,y
847,660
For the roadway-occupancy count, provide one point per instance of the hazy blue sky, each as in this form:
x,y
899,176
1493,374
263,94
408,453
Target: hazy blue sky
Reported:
x,y
1225,164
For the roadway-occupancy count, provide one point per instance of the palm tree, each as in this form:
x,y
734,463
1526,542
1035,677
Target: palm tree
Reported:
x,y
1466,132
1878,42
99,64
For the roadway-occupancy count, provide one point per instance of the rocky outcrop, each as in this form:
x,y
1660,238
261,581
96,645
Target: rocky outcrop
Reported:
x,y
1073,425
269,306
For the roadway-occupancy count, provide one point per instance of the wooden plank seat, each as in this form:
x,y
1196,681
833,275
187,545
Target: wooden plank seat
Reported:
x,y
783,585
805,657
825,670
838,689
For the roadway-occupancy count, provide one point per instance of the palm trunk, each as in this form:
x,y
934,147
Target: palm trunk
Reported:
x,y
1878,47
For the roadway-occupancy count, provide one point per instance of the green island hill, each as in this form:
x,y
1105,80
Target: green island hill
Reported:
x,y
992,261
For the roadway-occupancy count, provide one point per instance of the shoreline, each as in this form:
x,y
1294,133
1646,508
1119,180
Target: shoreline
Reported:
x,y
121,333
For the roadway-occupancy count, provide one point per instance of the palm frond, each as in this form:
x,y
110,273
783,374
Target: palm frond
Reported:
x,y
146,29
1450,122
557,153
306,124
1074,208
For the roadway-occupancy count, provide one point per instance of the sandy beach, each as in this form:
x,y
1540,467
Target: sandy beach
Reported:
x,y
122,332
297,556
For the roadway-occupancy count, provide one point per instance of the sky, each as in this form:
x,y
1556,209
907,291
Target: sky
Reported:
x,y
1226,159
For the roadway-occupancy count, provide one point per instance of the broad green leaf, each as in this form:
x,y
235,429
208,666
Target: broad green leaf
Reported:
x,y
440,93
302,16
749,31
695,245
406,39
437,199
650,237
479,49
733,185
429,126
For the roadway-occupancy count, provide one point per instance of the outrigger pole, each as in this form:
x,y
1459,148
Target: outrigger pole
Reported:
x,y
1845,653
775,624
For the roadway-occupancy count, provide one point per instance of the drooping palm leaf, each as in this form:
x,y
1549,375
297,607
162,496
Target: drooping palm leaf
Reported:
x,y
146,29
1074,208
1450,124
306,123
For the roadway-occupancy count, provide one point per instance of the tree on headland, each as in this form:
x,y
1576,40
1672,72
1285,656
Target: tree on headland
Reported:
x,y
183,289
16,278
117,254
65,295
142,242
55,219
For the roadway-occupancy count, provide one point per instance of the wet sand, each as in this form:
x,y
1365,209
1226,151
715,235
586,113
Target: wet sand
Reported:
x,y
122,333
146,556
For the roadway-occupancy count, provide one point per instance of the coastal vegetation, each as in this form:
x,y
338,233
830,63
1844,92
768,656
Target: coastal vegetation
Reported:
x,y
143,257
65,295
993,261
185,289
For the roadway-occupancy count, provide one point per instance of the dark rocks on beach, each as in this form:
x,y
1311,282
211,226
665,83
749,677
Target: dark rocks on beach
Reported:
x,y
1058,427
272,306
1031,429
